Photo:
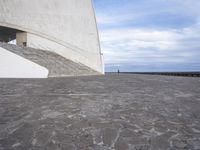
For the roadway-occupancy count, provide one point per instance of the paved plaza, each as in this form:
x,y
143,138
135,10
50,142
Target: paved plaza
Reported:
x,y
111,112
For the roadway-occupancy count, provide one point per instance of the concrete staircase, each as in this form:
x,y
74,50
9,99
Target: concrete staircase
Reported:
x,y
57,65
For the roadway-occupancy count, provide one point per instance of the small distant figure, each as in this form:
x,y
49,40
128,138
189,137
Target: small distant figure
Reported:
x,y
118,71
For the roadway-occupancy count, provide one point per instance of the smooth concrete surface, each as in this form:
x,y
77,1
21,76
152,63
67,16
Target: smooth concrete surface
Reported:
x,y
57,65
21,38
69,24
14,66
111,112
37,42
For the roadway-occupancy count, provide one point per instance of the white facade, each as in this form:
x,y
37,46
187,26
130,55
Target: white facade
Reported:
x,y
67,27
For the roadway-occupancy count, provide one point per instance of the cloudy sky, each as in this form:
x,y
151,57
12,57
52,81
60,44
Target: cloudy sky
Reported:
x,y
149,35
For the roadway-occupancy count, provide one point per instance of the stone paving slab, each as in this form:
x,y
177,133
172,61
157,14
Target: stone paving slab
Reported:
x,y
125,112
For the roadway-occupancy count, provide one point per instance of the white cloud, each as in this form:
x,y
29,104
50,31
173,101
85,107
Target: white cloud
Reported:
x,y
135,32
116,19
132,45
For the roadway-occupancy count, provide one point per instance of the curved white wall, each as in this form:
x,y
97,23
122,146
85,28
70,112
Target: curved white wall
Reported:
x,y
68,23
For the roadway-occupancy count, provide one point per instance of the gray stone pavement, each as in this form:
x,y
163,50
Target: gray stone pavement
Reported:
x,y
135,112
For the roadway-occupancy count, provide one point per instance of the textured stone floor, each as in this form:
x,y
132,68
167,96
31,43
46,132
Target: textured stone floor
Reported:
x,y
135,112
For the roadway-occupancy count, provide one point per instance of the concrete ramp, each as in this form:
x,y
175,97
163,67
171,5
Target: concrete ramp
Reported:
x,y
14,66
57,65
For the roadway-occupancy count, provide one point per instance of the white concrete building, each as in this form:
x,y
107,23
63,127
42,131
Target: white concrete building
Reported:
x,y
65,27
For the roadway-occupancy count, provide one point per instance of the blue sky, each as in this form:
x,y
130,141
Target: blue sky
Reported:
x,y
149,35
